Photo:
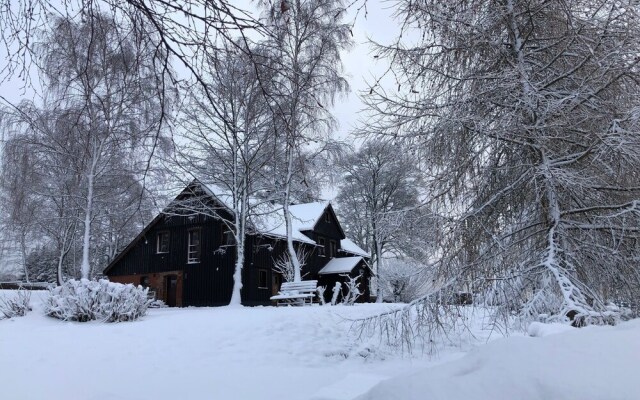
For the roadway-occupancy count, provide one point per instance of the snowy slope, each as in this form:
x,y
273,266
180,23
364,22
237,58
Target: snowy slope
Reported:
x,y
596,363
222,353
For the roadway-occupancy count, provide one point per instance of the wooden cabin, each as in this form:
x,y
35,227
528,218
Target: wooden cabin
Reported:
x,y
188,258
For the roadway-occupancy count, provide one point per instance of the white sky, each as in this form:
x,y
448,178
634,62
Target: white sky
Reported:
x,y
360,66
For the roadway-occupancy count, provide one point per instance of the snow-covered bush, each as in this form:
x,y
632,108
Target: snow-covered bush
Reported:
x,y
403,280
320,292
16,305
157,304
351,290
86,300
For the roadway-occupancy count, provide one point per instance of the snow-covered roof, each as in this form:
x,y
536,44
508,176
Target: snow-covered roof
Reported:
x,y
268,219
342,265
306,216
303,218
348,246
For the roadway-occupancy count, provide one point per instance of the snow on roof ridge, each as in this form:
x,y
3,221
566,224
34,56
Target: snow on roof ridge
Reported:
x,y
304,216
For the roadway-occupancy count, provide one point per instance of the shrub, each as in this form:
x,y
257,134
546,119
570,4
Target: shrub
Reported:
x,y
86,300
157,304
16,305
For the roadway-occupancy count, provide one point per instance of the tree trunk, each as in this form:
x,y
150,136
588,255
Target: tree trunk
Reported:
x,y
23,249
293,256
239,222
379,287
85,267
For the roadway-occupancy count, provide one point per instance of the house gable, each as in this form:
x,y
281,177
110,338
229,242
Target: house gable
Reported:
x,y
165,221
327,225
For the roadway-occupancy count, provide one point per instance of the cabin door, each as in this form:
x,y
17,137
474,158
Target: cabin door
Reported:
x,y
276,281
171,290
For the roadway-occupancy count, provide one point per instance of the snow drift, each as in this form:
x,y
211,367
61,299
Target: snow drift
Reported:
x,y
588,363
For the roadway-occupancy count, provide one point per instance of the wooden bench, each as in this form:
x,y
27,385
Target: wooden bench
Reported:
x,y
296,293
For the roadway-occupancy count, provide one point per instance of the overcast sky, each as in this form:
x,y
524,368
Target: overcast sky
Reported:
x,y
359,63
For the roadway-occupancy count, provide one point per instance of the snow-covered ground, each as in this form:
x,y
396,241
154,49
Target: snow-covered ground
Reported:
x,y
595,363
298,353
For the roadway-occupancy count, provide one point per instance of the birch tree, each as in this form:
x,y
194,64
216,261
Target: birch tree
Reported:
x,y
87,142
527,117
306,38
111,85
38,169
227,149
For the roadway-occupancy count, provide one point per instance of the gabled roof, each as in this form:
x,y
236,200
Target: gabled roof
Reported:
x,y
348,246
266,219
304,217
342,265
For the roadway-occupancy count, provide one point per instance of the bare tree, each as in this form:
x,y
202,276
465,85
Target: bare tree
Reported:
x,y
284,266
87,144
526,115
306,38
379,198
405,279
228,150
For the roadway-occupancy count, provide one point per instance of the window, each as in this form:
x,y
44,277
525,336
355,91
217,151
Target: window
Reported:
x,y
332,248
226,237
144,281
327,217
262,279
321,247
193,247
162,242
221,237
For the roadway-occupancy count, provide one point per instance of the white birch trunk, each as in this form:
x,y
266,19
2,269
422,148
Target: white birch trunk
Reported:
x,y
23,249
287,217
241,199
379,286
85,266
240,223
59,278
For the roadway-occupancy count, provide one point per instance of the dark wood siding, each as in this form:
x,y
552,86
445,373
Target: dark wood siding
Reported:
x,y
210,282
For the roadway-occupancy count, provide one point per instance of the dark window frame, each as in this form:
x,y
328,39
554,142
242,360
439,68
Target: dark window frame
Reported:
x,y
158,242
198,249
221,238
321,248
327,217
226,237
333,248
263,273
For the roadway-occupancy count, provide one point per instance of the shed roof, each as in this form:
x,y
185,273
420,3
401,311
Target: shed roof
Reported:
x,y
348,246
343,265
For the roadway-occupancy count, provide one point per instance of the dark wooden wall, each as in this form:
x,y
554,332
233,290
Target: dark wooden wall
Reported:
x,y
210,282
